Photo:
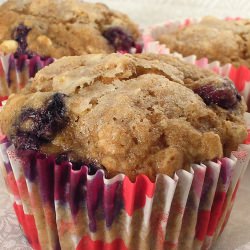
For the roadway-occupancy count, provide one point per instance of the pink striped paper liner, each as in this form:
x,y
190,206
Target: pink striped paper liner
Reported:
x,y
15,72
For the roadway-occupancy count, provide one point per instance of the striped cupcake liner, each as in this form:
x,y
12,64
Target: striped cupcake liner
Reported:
x,y
15,72
239,75
60,207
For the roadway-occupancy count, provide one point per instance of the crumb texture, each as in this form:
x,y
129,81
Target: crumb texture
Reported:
x,y
130,114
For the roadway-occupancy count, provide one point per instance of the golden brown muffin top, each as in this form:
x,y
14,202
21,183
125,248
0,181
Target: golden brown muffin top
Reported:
x,y
129,114
227,41
59,28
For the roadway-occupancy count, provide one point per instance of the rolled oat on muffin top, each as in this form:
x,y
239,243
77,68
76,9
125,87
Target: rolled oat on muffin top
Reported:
x,y
57,28
227,41
131,114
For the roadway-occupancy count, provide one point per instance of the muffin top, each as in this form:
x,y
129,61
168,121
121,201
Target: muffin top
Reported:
x,y
227,41
59,28
131,114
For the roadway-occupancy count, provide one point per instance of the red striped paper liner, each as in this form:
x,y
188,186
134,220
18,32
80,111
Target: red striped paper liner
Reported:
x,y
62,208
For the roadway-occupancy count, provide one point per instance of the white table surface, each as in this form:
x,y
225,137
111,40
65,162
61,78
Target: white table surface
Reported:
x,y
147,12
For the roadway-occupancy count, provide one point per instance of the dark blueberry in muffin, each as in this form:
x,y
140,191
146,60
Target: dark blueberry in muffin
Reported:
x,y
54,113
77,165
20,35
93,167
61,158
226,96
53,117
120,40
26,141
38,126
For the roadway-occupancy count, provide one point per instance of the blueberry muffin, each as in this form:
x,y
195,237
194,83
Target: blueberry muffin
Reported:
x,y
131,114
63,28
227,41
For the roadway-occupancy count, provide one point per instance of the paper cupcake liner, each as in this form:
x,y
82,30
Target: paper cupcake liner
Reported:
x,y
60,207
15,72
239,75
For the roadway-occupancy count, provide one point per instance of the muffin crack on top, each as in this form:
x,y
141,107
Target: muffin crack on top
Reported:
x,y
65,28
131,114
227,41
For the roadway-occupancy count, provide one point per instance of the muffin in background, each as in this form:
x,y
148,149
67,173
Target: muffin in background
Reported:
x,y
33,33
131,114
64,28
226,41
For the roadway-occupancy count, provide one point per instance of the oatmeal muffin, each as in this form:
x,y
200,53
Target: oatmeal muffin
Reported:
x,y
227,41
131,114
63,28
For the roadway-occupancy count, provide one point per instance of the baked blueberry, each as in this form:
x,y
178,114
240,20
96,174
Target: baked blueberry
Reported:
x,y
119,39
38,126
20,35
226,95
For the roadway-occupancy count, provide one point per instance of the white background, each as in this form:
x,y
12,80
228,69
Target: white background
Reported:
x,y
147,12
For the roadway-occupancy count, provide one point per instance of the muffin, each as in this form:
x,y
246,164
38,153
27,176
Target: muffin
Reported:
x,y
227,41
33,33
124,152
131,114
63,28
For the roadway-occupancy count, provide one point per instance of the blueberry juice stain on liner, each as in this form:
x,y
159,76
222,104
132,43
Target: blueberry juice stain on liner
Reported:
x,y
11,73
61,183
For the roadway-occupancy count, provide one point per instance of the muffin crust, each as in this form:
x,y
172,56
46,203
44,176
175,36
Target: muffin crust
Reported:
x,y
129,114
